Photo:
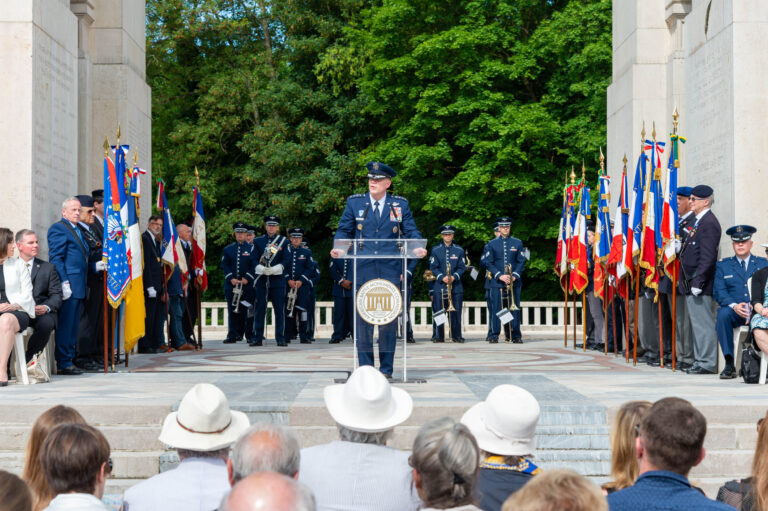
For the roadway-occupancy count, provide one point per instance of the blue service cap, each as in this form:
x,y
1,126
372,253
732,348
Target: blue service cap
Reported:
x,y
86,201
98,195
702,191
296,232
590,225
740,232
447,229
495,226
271,220
378,170
251,228
684,191
239,227
504,221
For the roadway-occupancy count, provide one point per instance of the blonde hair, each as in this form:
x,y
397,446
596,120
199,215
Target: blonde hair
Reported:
x,y
34,475
624,469
760,466
557,490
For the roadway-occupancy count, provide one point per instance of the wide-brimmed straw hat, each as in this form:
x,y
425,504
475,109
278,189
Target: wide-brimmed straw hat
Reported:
x,y
367,402
505,423
204,421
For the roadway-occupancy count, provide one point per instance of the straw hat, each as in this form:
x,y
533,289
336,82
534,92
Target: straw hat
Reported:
x,y
367,402
505,423
204,421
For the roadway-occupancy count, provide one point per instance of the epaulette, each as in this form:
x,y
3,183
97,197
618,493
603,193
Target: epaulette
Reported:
x,y
400,197
356,196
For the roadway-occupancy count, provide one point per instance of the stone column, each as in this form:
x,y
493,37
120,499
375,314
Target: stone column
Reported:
x,y
676,11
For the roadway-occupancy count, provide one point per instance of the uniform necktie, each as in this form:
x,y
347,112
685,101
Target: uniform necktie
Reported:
x,y
376,212
743,265
79,234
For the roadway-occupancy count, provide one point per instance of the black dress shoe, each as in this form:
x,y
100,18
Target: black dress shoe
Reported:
x,y
4,383
92,367
334,341
517,341
437,339
683,366
493,340
282,343
411,340
254,343
694,369
654,362
305,341
147,351
70,371
729,373
230,341
458,339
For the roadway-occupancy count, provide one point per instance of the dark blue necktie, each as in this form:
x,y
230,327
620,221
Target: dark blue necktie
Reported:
x,y
743,265
79,234
376,214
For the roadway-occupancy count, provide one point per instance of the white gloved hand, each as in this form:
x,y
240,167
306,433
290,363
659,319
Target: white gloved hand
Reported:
x,y
269,270
695,291
678,246
151,292
199,272
66,290
277,269
260,269
101,266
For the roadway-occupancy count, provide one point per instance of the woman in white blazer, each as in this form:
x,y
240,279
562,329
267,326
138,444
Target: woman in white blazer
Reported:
x,y
17,304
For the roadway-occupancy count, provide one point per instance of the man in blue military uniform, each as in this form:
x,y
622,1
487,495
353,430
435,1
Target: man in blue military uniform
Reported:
x,y
250,234
377,215
270,255
298,273
447,265
505,261
342,276
731,292
487,278
315,278
238,271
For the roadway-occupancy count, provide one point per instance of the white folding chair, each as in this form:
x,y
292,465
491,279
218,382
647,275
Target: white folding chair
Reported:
x,y
21,359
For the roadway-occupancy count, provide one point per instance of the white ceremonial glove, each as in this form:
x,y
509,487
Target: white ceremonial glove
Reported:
x,y
695,291
199,272
678,246
151,292
260,269
277,269
101,266
66,290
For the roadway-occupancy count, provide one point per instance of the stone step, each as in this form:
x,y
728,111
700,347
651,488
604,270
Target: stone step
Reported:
x,y
730,463
96,415
134,437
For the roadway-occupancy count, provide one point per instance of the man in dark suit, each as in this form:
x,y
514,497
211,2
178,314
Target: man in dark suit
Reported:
x,y
46,288
153,286
190,305
698,258
98,214
69,254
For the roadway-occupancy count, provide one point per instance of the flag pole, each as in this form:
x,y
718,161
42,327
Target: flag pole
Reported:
x,y
656,262
605,269
584,293
104,277
674,149
565,288
199,286
637,273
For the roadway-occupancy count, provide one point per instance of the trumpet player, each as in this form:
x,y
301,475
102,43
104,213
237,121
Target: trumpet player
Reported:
x,y
504,259
237,266
447,265
270,257
299,275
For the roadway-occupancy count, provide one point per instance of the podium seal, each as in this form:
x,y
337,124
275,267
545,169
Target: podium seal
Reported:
x,y
379,302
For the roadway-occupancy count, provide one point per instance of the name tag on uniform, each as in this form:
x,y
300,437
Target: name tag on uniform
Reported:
x,y
728,277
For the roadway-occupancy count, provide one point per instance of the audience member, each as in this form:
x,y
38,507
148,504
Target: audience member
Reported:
x,y
268,491
68,252
201,431
758,324
154,289
17,304
504,426
76,461
15,494
265,447
34,474
557,490
46,291
445,460
359,471
669,444
624,468
751,494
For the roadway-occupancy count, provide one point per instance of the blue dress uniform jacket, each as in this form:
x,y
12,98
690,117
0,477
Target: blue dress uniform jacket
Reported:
x,y
441,255
271,287
342,269
684,228
698,255
280,259
237,263
359,222
499,253
301,267
662,490
731,287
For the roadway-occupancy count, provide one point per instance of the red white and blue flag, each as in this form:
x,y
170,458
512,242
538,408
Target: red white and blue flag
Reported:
x,y
602,236
578,250
670,218
198,241
635,224
172,254
114,252
651,240
616,266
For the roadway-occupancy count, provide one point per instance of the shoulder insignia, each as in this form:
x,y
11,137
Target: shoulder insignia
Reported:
x,y
400,197
356,196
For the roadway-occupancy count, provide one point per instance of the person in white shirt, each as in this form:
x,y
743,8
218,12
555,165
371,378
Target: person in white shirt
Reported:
x,y
359,471
75,458
201,431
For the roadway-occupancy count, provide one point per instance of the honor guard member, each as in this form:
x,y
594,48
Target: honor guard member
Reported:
x,y
237,265
298,273
341,274
270,255
505,261
488,278
315,278
731,292
447,265
377,215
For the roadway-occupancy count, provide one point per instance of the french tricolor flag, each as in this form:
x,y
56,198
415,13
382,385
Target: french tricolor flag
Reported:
x,y
198,240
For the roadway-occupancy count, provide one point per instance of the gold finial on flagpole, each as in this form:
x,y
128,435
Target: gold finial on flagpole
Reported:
x,y
583,169
106,146
602,162
642,139
653,133
675,117
573,176
197,177
118,133
135,157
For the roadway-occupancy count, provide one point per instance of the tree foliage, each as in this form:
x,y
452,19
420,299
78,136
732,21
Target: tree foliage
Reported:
x,y
481,106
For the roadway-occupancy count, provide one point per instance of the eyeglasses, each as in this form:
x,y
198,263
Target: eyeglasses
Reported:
x,y
637,429
760,421
694,199
109,466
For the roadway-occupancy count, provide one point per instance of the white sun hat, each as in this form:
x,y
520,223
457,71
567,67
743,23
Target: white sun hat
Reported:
x,y
505,423
367,402
204,421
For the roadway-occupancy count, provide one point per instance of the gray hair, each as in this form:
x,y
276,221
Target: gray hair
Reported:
x,y
446,456
189,453
24,232
67,201
293,496
711,200
266,447
359,437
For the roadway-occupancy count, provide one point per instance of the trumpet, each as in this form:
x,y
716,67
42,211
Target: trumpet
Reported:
x,y
291,300
512,306
237,294
429,276
449,288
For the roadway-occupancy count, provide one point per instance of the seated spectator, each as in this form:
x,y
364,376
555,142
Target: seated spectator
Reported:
x,y
670,443
359,471
268,491
17,305
264,447
445,459
15,494
504,426
623,456
201,431
751,494
46,290
76,461
557,490
34,474
759,297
